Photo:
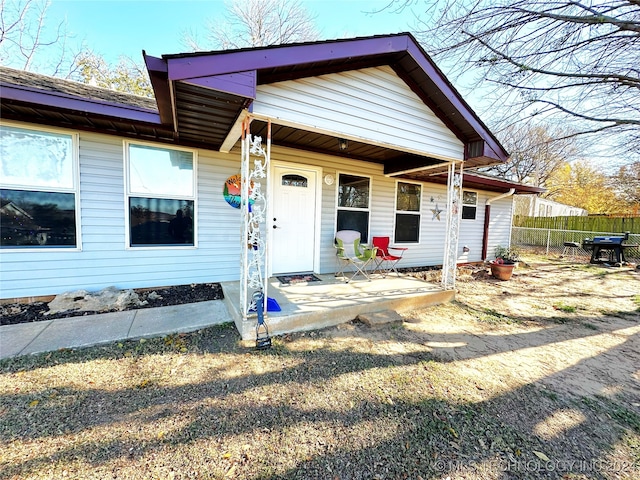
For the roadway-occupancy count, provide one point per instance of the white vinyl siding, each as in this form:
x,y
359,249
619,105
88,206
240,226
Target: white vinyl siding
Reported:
x,y
382,208
104,260
500,225
472,231
372,105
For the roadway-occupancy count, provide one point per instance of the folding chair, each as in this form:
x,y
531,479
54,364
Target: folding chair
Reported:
x,y
349,252
385,261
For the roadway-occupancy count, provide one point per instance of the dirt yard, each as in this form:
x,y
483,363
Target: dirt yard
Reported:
x,y
573,327
534,378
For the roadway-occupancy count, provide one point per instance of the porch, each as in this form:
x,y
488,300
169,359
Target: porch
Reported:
x,y
331,301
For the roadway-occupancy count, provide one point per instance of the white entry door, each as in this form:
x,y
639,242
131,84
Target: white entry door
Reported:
x,y
294,219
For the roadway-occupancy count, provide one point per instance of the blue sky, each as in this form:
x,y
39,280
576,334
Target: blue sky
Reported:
x,y
125,27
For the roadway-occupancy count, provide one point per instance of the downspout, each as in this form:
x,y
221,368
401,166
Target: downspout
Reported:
x,y
487,215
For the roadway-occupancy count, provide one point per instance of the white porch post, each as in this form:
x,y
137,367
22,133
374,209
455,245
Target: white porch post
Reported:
x,y
454,207
253,208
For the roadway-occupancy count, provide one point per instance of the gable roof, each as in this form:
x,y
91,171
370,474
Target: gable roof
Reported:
x,y
32,97
202,95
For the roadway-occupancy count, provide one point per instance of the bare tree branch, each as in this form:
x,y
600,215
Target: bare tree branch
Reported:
x,y
27,41
256,23
561,61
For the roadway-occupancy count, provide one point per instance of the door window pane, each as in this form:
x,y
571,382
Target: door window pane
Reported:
x,y
294,181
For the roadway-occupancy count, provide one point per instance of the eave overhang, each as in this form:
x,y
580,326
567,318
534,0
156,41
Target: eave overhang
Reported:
x,y
477,181
202,95
30,97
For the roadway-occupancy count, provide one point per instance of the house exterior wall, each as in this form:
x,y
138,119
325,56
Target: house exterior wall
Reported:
x,y
471,231
371,104
534,206
104,259
500,225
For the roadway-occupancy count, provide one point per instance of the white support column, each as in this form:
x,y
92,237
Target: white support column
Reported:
x,y
253,208
454,213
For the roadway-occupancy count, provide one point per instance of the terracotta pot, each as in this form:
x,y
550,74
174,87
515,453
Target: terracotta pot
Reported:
x,y
502,271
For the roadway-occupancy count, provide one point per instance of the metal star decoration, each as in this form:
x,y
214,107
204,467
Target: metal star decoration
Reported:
x,y
436,212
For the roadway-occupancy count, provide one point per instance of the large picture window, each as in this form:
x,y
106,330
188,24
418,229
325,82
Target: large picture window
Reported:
x,y
38,189
408,202
160,196
353,204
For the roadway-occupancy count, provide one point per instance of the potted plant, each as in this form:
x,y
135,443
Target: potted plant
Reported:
x,y
506,260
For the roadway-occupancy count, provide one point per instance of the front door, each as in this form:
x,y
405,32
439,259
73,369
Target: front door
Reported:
x,y
294,219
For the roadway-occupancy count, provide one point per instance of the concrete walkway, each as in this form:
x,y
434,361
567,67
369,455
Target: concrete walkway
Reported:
x,y
84,331
307,306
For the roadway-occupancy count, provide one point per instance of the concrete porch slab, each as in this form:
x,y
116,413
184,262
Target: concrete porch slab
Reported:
x,y
331,301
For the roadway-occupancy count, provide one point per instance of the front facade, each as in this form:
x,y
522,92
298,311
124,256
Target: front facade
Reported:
x,y
102,189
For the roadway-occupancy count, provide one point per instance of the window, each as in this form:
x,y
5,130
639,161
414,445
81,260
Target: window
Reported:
x,y
469,205
353,204
408,196
38,189
294,181
160,196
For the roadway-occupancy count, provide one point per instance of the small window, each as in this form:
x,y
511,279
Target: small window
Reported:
x,y
38,189
353,204
161,196
408,206
294,181
469,205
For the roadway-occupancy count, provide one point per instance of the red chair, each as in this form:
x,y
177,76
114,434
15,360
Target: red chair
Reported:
x,y
386,261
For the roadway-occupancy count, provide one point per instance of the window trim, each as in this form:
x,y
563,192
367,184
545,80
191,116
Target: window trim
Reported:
x,y
128,194
75,167
407,212
353,209
475,217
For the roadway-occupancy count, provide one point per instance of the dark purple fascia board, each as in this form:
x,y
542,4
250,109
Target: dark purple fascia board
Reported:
x,y
492,147
67,102
242,84
189,67
158,75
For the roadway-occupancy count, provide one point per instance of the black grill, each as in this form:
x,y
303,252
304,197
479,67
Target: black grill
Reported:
x,y
608,249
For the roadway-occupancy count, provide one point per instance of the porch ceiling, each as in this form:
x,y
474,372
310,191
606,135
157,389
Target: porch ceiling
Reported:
x,y
393,160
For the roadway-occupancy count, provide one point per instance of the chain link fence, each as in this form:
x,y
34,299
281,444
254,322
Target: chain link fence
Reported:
x,y
543,241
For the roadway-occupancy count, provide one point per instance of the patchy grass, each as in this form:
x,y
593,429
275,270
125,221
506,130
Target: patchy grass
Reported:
x,y
565,308
203,405
467,390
